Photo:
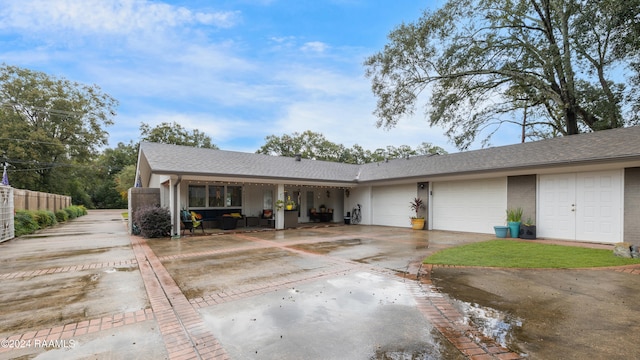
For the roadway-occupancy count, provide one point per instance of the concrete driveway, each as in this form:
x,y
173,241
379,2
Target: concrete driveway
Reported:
x,y
86,289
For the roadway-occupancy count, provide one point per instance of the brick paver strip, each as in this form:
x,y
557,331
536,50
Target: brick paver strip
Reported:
x,y
183,331
72,330
450,322
39,272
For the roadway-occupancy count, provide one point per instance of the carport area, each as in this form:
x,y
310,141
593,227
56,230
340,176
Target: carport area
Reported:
x,y
87,289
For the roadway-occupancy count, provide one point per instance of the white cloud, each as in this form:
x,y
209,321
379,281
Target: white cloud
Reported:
x,y
119,17
315,46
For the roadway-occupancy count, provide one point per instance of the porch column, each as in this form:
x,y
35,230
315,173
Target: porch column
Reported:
x,y
174,205
280,213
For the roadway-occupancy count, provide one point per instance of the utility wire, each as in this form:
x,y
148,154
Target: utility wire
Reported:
x,y
12,106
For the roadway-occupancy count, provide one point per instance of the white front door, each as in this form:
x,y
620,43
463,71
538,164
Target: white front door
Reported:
x,y
582,206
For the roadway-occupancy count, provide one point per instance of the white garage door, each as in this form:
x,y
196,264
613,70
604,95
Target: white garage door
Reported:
x,y
582,206
390,204
471,205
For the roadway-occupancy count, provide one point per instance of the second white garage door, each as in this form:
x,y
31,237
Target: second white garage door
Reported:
x,y
470,205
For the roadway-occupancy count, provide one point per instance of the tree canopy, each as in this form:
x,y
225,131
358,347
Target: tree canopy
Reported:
x,y
174,133
554,67
51,129
312,145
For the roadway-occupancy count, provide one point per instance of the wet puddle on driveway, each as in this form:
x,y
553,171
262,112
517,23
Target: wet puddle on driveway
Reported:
x,y
497,325
355,316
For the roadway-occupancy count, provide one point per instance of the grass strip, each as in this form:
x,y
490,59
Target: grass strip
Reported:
x,y
521,254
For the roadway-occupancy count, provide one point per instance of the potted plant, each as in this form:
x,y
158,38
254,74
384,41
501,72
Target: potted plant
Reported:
x,y
514,218
417,222
528,230
290,203
279,204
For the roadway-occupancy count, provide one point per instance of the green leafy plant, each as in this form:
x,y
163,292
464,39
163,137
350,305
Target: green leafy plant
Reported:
x,y
514,215
290,202
279,204
25,222
153,221
528,222
45,218
62,216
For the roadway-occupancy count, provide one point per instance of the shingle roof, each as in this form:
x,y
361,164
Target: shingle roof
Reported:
x,y
601,146
175,159
605,145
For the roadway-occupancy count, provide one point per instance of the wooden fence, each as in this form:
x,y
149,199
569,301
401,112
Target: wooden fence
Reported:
x,y
35,200
17,199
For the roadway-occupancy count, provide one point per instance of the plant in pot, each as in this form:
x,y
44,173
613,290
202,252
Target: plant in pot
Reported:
x,y
514,218
528,229
290,203
417,222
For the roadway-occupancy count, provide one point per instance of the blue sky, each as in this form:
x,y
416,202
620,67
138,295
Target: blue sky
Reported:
x,y
236,70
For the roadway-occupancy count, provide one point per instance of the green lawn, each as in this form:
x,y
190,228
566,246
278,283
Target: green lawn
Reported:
x,y
520,254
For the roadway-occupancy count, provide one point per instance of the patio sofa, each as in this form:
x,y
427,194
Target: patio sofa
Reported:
x,y
214,218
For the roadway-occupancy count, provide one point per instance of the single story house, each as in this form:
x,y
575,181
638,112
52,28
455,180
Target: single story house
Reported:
x,y
583,187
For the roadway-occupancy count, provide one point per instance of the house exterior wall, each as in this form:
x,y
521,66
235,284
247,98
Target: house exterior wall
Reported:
x,y
521,193
632,205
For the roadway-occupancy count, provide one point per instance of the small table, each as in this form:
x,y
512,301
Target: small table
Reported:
x,y
253,221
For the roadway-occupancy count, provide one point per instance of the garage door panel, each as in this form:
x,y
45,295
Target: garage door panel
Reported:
x,y
390,204
474,206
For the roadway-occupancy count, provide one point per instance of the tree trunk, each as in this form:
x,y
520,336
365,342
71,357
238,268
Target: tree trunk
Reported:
x,y
571,119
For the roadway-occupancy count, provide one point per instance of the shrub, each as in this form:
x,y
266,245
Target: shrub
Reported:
x,y
153,221
45,218
25,222
71,212
75,211
62,216
82,210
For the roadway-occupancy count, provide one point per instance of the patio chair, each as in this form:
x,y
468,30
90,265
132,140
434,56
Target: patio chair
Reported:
x,y
189,221
266,218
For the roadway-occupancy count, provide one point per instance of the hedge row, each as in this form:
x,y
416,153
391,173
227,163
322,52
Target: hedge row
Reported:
x,y
27,221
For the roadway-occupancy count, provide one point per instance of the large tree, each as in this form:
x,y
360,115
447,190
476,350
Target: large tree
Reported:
x,y
114,170
174,133
313,145
51,129
309,144
553,67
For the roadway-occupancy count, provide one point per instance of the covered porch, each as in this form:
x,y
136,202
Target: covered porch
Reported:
x,y
255,205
